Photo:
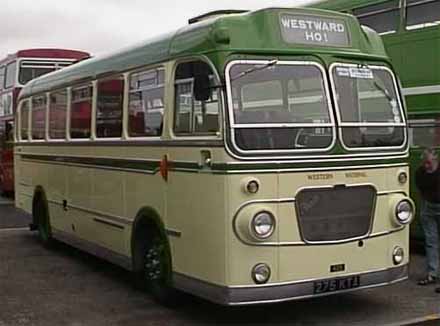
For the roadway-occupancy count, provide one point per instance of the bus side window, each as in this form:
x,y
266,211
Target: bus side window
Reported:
x,y
383,17
2,80
425,134
109,108
24,120
194,117
57,115
81,112
10,74
421,13
38,117
146,103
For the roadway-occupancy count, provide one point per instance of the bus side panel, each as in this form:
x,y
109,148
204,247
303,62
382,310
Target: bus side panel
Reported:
x,y
79,195
24,183
196,210
141,191
56,192
108,199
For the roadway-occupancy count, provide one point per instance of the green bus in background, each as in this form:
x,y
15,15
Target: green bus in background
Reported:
x,y
410,30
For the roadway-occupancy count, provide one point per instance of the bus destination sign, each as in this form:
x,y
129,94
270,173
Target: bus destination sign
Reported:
x,y
314,30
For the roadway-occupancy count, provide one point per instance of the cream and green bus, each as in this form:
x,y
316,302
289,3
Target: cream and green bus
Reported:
x,y
249,157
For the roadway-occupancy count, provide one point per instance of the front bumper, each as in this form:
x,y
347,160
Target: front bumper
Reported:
x,y
247,295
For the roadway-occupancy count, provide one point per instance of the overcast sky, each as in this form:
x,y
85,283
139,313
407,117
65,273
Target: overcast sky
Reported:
x,y
100,26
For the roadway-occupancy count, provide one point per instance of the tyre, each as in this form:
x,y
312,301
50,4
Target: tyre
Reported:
x,y
156,271
41,218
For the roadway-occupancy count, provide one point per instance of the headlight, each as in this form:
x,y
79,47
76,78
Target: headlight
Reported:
x,y
404,211
398,255
263,225
260,273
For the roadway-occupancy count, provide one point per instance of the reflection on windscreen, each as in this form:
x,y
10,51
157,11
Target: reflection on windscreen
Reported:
x,y
369,109
291,98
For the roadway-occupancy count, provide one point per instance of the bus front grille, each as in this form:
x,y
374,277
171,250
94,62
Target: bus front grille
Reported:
x,y
335,214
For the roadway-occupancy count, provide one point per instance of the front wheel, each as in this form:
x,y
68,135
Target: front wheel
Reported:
x,y
157,271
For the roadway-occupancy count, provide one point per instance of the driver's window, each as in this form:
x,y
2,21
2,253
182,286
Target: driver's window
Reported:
x,y
193,117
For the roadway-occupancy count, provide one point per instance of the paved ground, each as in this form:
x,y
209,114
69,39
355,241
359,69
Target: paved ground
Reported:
x,y
62,286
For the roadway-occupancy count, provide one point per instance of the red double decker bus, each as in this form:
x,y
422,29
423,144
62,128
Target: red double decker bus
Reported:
x,y
15,71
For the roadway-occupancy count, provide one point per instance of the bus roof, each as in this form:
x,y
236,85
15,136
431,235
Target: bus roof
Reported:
x,y
47,53
231,33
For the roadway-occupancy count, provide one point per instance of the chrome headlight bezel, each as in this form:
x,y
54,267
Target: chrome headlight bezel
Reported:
x,y
403,207
261,273
398,255
258,220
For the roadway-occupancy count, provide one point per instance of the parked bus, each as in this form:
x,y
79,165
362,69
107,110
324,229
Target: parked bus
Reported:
x,y
15,71
410,30
247,158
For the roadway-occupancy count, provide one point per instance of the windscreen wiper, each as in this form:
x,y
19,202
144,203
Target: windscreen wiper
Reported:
x,y
379,87
383,90
254,69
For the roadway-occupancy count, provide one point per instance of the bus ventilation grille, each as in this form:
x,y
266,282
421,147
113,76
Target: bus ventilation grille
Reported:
x,y
335,214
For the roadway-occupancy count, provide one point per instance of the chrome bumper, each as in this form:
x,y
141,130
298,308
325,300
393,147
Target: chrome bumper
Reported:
x,y
248,295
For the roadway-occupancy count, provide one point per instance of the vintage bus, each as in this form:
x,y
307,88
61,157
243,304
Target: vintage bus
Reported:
x,y
15,71
247,158
410,30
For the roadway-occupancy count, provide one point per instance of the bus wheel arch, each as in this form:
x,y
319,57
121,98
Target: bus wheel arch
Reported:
x,y
151,256
40,215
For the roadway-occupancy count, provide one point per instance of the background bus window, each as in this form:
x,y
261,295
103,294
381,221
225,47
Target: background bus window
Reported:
x,y
30,69
10,74
422,13
424,133
24,120
57,115
146,103
109,108
192,116
38,117
2,78
382,17
81,112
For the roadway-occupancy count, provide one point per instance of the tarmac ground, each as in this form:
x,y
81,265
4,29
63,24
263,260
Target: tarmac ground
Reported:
x,y
64,286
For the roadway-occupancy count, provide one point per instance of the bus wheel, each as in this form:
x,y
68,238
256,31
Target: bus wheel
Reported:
x,y
157,271
41,216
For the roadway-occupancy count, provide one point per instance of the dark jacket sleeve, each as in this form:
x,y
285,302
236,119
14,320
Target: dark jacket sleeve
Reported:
x,y
419,179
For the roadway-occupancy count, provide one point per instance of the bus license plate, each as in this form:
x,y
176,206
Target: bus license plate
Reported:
x,y
336,284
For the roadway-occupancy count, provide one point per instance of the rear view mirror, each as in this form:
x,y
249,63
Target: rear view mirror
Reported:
x,y
202,88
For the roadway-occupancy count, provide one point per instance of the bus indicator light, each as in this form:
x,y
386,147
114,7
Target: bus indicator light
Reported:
x,y
164,167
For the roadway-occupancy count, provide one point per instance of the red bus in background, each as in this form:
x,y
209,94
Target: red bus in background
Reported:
x,y
15,71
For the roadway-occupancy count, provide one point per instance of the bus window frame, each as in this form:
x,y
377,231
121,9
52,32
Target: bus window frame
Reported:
x,y
2,77
19,62
415,122
92,136
341,124
126,132
259,153
19,112
399,8
123,77
418,26
66,131
14,84
32,140
218,135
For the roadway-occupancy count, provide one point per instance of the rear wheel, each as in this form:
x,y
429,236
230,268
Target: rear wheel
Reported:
x,y
41,217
